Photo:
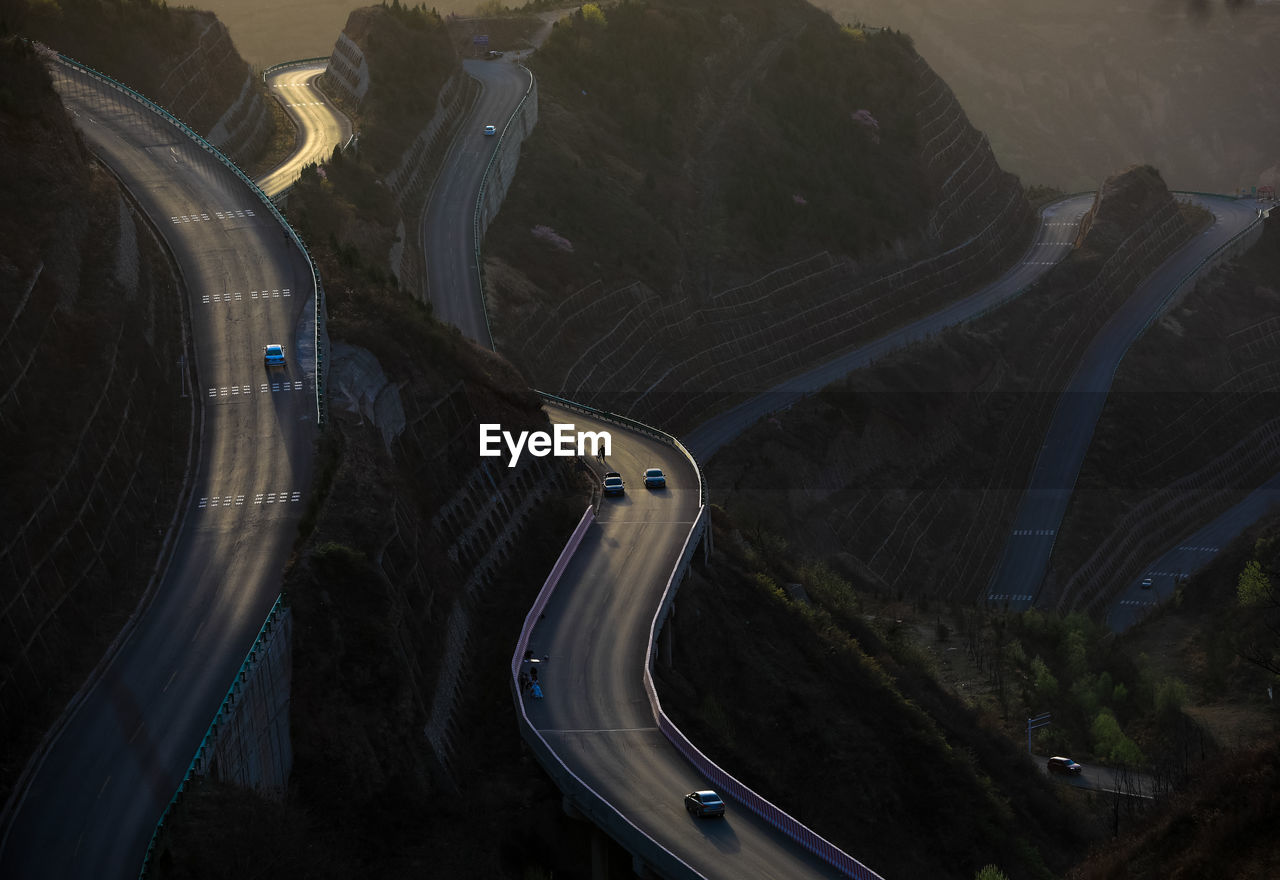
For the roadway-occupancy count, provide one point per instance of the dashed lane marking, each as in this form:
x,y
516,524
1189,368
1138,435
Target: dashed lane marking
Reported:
x,y
239,295
1009,597
1035,532
201,217
217,392
260,499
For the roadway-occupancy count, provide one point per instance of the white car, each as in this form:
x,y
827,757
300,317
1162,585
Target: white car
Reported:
x,y
490,130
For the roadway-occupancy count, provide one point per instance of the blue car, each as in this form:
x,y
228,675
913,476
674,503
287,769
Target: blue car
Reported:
x,y
273,355
654,478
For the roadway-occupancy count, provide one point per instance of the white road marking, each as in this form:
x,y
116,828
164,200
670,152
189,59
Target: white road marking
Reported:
x,y
108,779
597,729
172,676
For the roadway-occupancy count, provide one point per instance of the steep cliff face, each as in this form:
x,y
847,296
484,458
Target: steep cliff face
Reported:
x,y
395,72
391,65
93,422
183,59
800,188
909,473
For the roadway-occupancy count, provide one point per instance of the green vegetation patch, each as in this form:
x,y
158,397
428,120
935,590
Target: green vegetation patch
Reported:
x,y
823,710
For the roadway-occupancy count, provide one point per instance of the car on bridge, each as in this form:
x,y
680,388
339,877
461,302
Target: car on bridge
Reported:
x,y
273,355
1059,764
613,483
490,129
1146,582
704,803
654,478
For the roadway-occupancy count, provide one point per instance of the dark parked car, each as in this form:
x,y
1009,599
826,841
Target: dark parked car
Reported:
x,y
613,483
704,803
654,478
1059,764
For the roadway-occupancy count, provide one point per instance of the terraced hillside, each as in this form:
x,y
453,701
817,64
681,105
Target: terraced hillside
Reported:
x,y
1189,430
907,474
93,420
700,220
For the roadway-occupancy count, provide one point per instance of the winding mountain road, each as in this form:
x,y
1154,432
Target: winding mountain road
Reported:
x,y
321,125
1025,559
448,239
595,632
90,803
90,806
1059,223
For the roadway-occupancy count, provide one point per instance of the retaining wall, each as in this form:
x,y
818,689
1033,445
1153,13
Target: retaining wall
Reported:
x,y
197,85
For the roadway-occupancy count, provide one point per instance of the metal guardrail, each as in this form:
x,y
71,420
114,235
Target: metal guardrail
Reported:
x,y
638,427
214,152
284,65
196,767
1191,274
484,186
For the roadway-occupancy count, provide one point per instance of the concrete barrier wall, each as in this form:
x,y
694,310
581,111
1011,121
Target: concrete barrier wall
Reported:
x,y
250,744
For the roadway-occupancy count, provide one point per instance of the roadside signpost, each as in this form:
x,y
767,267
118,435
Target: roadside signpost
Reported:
x,y
1033,723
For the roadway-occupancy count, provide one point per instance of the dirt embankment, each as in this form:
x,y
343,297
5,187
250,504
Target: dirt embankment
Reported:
x,y
909,472
93,423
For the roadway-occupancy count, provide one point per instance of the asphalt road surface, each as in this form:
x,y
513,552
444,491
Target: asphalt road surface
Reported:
x,y
595,713
91,805
1059,224
1190,555
321,126
448,239
1106,779
1025,560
